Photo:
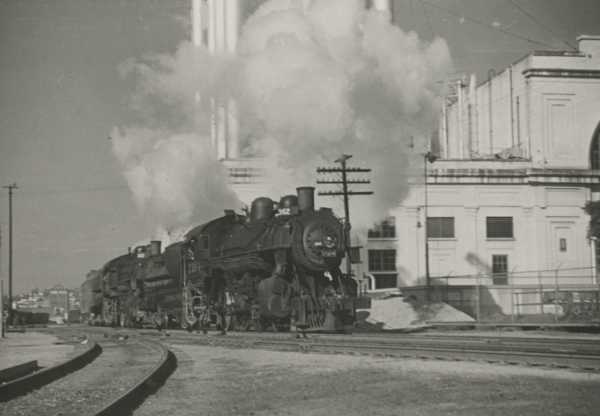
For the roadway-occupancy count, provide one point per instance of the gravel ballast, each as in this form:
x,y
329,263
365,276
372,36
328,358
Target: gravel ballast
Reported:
x,y
220,381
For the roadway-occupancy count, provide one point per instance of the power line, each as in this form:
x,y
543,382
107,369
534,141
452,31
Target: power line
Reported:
x,y
540,24
76,190
488,25
343,169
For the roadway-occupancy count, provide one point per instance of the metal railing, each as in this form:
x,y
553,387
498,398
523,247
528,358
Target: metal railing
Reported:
x,y
560,295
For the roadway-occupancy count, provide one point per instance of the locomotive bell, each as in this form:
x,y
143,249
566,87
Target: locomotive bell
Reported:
x,y
306,198
262,209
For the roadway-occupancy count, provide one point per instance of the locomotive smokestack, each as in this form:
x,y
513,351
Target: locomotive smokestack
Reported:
x,y
306,198
154,248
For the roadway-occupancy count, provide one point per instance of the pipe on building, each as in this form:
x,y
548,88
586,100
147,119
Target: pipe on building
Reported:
x,y
233,147
219,24
197,22
512,116
473,138
491,75
460,118
221,131
444,131
232,24
382,5
211,26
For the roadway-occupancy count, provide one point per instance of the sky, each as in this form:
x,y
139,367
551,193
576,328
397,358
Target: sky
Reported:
x,y
61,95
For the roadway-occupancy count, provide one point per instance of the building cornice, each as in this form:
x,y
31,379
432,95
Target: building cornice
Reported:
x,y
529,176
561,73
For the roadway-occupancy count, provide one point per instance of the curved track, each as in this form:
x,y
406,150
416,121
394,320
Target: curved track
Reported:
x,y
34,380
114,383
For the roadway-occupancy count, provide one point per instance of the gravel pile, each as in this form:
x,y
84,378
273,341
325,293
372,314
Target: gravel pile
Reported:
x,y
398,313
111,374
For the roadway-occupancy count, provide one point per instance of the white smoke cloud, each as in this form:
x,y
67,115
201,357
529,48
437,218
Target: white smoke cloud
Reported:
x,y
333,78
174,179
312,80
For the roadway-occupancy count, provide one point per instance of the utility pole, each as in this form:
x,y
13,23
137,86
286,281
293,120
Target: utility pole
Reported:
x,y
427,157
10,247
344,170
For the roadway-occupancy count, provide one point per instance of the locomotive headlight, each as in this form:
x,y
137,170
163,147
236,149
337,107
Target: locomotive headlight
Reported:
x,y
329,241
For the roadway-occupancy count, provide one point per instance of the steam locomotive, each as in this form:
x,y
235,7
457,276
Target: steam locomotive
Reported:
x,y
276,267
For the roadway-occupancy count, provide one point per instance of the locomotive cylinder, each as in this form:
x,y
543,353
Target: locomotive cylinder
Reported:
x,y
306,198
262,209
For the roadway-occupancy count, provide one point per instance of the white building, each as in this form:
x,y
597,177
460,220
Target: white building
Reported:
x,y
519,156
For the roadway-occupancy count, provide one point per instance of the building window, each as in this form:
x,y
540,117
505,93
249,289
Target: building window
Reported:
x,y
382,260
244,174
385,229
440,227
499,227
562,244
385,281
500,269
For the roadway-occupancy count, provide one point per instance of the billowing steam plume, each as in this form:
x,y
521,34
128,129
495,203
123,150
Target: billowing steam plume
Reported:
x,y
311,82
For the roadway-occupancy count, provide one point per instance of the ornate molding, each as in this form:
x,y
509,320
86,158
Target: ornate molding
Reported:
x,y
561,73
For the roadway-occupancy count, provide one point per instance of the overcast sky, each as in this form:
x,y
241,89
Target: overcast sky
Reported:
x,y
60,96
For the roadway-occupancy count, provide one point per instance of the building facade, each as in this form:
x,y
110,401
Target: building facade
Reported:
x,y
504,202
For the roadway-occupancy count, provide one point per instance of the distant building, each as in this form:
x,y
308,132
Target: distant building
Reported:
x,y
58,298
519,156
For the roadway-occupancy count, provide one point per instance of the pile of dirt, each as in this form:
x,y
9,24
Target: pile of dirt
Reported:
x,y
398,313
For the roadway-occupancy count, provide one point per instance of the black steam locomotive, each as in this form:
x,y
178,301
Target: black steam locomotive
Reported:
x,y
277,267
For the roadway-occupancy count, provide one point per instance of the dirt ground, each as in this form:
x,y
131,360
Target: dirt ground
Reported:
x,y
219,381
18,348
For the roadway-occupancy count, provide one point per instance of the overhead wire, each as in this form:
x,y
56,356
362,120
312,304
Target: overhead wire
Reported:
x,y
488,25
540,24
73,190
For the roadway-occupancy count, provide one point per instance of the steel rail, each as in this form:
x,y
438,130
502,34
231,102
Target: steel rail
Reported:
x,y
25,384
452,352
145,386
18,371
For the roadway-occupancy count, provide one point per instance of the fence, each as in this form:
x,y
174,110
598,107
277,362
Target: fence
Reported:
x,y
562,295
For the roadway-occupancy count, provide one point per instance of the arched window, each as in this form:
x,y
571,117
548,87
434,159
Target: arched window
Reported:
x,y
595,149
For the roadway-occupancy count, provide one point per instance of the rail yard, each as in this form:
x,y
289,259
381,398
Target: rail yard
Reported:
x,y
300,207
154,372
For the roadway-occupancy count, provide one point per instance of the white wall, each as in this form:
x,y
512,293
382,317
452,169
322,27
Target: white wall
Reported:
x,y
546,104
541,216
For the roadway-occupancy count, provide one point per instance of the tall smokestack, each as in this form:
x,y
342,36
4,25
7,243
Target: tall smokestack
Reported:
x,y
382,6
220,20
197,22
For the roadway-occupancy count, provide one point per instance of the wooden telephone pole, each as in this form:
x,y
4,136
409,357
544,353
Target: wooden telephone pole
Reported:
x,y
10,247
344,170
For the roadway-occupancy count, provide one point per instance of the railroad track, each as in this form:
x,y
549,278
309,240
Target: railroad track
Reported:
x,y
576,354
114,383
